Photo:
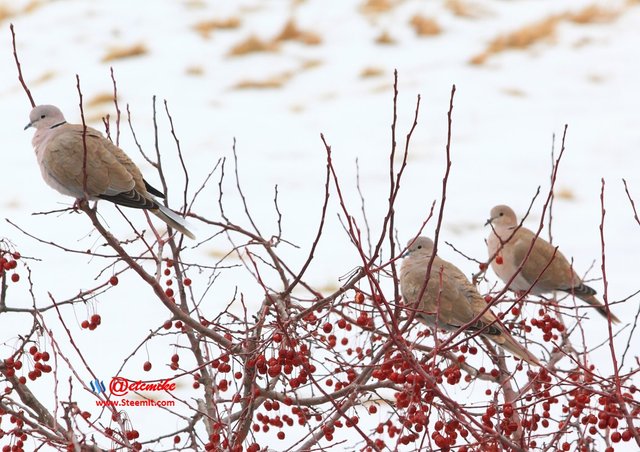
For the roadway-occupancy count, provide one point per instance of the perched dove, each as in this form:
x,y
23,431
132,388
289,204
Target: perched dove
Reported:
x,y
510,252
452,300
111,175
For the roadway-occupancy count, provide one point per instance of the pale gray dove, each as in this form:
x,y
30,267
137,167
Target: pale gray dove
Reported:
x,y
111,175
510,253
451,298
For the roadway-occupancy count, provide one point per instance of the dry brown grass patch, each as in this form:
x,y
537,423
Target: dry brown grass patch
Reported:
x,y
5,13
291,32
100,99
32,6
206,27
514,92
565,193
544,29
370,72
464,9
44,77
520,39
376,6
385,38
425,26
118,53
310,64
274,82
252,44
592,14
195,71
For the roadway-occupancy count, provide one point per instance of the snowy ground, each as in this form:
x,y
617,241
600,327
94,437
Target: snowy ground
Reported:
x,y
506,113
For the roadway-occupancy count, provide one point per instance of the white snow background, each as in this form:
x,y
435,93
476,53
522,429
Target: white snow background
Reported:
x,y
505,114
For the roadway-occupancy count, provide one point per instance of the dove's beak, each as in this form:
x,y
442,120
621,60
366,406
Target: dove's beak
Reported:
x,y
489,221
28,125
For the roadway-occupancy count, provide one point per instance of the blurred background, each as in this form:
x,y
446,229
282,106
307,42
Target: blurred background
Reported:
x,y
273,75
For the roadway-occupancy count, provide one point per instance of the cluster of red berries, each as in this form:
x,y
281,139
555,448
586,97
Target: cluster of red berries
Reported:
x,y
12,364
276,421
17,433
92,323
39,367
168,324
285,361
131,435
547,324
218,441
169,292
303,413
446,434
223,366
175,362
9,263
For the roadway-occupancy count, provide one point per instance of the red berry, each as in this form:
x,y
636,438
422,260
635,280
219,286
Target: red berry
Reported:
x,y
85,324
187,281
146,366
96,319
15,277
499,260
113,280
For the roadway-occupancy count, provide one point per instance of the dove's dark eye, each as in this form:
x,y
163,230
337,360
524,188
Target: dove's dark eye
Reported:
x,y
419,247
501,213
42,116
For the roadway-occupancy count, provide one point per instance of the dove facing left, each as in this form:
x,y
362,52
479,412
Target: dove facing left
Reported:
x,y
110,174
449,300
533,264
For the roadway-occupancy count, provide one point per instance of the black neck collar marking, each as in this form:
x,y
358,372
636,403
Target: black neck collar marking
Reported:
x,y
58,125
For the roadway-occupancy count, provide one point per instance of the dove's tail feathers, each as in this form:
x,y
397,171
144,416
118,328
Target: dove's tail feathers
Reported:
x,y
174,220
593,301
581,290
506,341
154,191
